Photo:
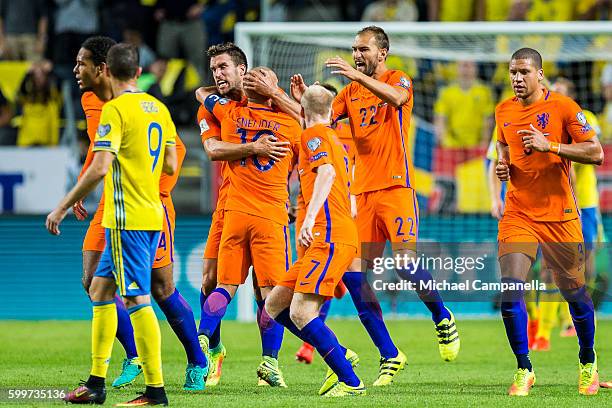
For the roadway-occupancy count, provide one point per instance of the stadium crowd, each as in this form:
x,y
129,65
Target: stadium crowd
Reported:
x,y
39,39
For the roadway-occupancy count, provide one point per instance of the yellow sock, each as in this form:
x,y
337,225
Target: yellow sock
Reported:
x,y
532,306
564,315
148,343
103,330
549,308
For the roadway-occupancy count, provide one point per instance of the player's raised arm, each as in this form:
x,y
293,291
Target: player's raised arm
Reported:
x,y
265,83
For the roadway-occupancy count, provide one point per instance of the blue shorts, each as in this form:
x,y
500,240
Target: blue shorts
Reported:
x,y
590,222
128,258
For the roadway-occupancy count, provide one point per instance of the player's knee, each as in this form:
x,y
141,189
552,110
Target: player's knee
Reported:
x,y
299,316
161,290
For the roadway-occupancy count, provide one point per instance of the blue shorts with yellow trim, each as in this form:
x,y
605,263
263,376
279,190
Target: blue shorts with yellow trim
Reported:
x,y
590,223
128,258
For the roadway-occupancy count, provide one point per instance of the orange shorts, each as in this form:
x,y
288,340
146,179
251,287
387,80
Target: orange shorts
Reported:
x,y
250,240
321,268
94,237
214,235
165,248
391,215
561,244
299,220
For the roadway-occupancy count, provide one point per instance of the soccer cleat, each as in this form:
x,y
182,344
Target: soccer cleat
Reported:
x,y
85,395
217,355
203,340
389,367
541,344
523,381
605,384
305,354
195,378
340,389
331,378
588,381
130,369
532,330
568,331
269,373
448,338
143,401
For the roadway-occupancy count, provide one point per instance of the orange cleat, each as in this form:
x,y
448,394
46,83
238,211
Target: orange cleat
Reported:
x,y
305,354
569,331
541,344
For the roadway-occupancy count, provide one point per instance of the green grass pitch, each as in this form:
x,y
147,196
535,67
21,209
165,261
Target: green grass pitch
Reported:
x,y
56,354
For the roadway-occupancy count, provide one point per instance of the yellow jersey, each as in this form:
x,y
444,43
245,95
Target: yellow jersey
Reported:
x,y
136,127
586,179
466,111
551,10
456,10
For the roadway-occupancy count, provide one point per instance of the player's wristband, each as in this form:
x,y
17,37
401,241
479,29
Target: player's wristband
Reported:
x,y
555,148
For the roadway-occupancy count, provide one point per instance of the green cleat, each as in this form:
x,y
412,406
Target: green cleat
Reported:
x,y
331,378
389,367
269,373
340,389
448,338
217,355
588,382
130,369
195,378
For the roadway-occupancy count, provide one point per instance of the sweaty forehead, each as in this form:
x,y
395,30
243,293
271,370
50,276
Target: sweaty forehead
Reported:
x,y
364,40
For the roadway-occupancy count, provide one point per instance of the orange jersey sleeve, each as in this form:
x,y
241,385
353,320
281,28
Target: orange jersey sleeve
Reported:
x,y
92,106
320,145
258,186
539,184
379,131
167,182
209,125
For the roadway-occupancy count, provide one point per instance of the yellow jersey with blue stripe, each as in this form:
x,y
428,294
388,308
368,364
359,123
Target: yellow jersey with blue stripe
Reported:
x,y
136,127
586,179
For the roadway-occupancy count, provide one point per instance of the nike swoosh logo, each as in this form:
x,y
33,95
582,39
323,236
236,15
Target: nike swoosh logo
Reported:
x,y
506,124
80,394
159,259
303,283
354,99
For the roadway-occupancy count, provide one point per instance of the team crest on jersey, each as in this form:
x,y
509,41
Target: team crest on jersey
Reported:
x,y
581,117
223,101
104,130
404,82
543,119
314,143
203,126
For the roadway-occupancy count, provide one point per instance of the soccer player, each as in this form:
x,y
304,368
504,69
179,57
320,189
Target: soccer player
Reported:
x,y
378,103
255,213
136,136
343,132
228,64
539,134
330,237
92,79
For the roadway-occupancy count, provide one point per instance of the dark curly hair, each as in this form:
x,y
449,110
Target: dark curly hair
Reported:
x,y
98,46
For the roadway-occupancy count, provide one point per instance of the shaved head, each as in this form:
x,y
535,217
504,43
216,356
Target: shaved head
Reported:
x,y
317,101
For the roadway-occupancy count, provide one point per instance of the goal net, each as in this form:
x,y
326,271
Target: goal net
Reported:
x,y
459,72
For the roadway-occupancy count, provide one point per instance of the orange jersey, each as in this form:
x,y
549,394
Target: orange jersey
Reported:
x,y
257,186
380,132
320,145
210,127
166,182
92,106
346,137
539,182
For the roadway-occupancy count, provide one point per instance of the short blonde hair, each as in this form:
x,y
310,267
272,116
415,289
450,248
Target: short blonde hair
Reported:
x,y
317,101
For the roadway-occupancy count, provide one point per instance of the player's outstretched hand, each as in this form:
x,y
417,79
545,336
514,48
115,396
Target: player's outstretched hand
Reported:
x,y
342,67
79,210
502,170
534,139
305,238
54,219
268,146
298,87
261,83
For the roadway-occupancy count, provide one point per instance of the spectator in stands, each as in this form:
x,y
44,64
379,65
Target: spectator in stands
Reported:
x,y
23,29
6,113
451,10
545,10
605,119
39,102
594,10
145,53
75,20
391,10
181,31
463,110
493,10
